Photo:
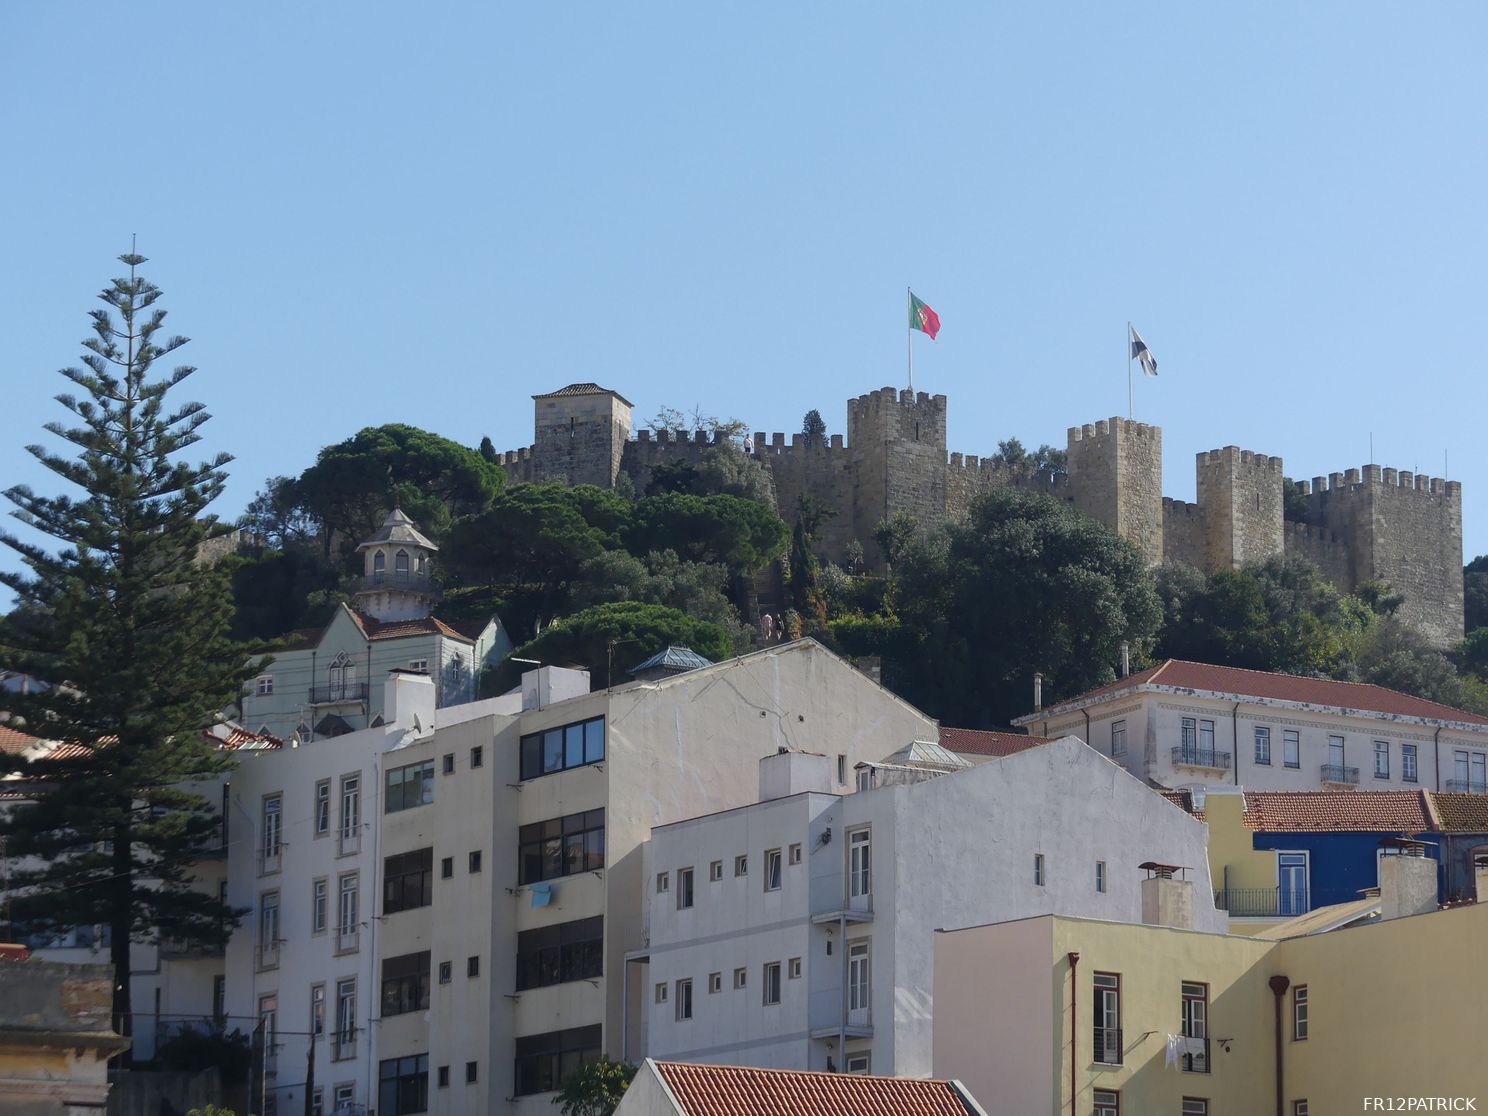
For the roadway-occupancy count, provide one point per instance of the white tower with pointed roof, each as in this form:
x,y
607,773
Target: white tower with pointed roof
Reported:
x,y
398,569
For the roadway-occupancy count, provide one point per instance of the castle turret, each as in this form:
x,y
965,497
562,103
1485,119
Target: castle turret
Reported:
x,y
581,431
1115,476
397,568
1240,494
898,445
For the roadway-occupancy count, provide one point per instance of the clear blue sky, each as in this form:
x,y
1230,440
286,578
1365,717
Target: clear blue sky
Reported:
x,y
365,213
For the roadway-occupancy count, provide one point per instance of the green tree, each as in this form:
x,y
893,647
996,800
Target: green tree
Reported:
x,y
595,1088
1475,593
487,448
737,533
131,633
699,589
894,537
1294,503
622,633
1024,584
353,483
814,427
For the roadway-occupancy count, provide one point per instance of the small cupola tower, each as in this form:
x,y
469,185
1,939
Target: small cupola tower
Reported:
x,y
397,571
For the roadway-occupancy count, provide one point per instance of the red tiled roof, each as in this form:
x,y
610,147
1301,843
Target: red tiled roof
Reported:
x,y
1337,812
1183,800
1277,687
983,742
13,742
1461,813
703,1090
239,737
582,389
397,629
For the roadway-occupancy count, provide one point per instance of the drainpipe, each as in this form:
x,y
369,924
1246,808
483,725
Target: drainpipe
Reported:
x,y
1436,756
1279,985
1235,739
1087,725
1074,961
842,1026
625,1011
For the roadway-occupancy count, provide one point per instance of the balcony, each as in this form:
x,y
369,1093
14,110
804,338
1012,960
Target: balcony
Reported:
x,y
1196,1061
1187,755
857,908
403,580
1467,786
343,1044
1277,902
186,949
1339,775
348,939
343,693
1107,1046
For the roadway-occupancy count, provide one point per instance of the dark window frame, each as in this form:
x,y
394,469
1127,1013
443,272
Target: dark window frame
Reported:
x,y
403,1085
561,748
543,1061
558,847
408,881
561,953
405,983
412,780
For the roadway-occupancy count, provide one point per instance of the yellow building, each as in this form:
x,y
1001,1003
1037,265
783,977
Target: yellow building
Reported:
x,y
55,1037
1055,1015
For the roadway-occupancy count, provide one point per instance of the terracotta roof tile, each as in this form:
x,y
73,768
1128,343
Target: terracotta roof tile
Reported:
x,y
583,389
704,1090
1337,812
1183,800
1462,813
983,742
13,742
397,629
1277,687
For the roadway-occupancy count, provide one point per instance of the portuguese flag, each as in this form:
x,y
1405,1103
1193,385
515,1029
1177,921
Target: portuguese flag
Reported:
x,y
922,318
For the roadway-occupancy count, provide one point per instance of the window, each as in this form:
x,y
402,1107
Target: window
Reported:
x,y
474,860
860,1064
1107,1045
447,763
317,1102
403,1085
562,748
407,881
268,1015
405,984
472,966
445,972
351,812
219,998
1299,1012
1118,738
345,1096
715,983
560,953
447,868
543,1061
772,869
1194,1021
661,992
1038,869
1100,876
684,888
841,768
348,921
264,686
683,1006
1291,748
1471,772
715,871
1190,734
471,1073
268,930
409,786
420,665
1407,771
477,757
344,1045
1195,1106
772,983
1335,751
859,988
663,882
561,847
317,1009
1263,745
793,968
1299,1108
859,868
322,807
1206,736
273,818
795,854
741,865
442,1077
1381,759
1107,1102
320,899
740,977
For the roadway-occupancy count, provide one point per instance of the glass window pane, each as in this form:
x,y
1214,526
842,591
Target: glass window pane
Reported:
x,y
531,757
594,741
553,750
594,849
573,746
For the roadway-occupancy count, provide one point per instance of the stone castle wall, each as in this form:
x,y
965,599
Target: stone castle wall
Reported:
x,y
1363,524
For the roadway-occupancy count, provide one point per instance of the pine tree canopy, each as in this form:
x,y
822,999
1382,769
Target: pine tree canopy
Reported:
x,y
127,630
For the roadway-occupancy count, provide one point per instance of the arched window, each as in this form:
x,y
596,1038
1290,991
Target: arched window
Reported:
x,y
379,565
341,677
400,567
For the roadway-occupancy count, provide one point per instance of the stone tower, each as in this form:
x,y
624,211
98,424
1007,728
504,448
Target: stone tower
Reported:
x,y
397,571
1115,476
898,445
581,432
1240,494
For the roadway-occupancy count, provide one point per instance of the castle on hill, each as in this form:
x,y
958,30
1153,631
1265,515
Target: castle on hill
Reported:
x,y
1362,525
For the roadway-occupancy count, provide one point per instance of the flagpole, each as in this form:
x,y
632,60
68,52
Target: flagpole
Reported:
x,y
909,336
1128,371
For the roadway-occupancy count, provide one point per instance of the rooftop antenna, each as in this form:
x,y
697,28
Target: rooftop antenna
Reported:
x,y
1371,447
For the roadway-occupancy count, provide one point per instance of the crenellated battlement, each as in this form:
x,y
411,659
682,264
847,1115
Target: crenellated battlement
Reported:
x,y
1242,458
1103,428
1382,477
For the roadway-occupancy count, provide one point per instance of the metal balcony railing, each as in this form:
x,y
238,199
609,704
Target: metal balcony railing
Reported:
x,y
1197,1063
1201,757
1107,1046
182,949
1274,902
399,579
1337,773
339,694
1467,786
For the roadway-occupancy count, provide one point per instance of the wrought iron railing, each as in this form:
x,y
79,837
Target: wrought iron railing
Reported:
x,y
395,579
338,694
1467,786
1196,1062
1201,757
1337,773
1107,1048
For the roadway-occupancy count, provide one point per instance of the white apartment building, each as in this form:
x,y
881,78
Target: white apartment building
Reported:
x,y
1192,725
797,932
447,900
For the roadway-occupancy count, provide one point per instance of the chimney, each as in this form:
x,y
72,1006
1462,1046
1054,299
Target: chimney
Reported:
x,y
408,700
1166,901
786,773
1407,879
1038,692
1125,658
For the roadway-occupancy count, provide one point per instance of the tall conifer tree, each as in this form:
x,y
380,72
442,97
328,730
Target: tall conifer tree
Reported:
x,y
128,631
